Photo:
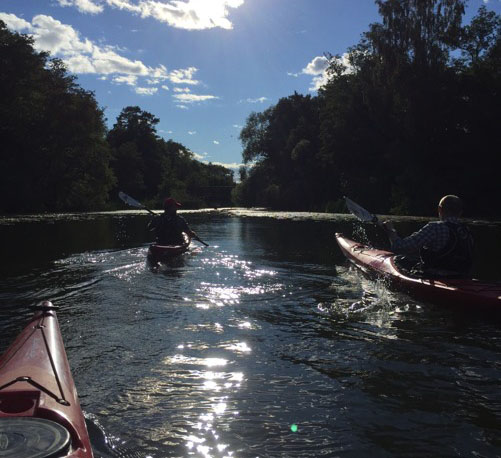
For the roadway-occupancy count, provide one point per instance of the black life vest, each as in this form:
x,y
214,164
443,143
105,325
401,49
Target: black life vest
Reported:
x,y
169,230
457,254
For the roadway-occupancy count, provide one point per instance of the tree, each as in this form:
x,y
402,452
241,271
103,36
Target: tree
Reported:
x,y
284,141
54,156
479,39
405,123
137,152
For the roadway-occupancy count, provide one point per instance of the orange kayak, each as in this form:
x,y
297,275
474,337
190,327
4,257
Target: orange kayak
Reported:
x,y
40,415
449,291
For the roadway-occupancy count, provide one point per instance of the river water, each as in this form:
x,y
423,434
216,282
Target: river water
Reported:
x,y
264,344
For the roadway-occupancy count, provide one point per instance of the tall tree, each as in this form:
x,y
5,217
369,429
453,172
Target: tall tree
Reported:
x,y
405,123
54,155
136,128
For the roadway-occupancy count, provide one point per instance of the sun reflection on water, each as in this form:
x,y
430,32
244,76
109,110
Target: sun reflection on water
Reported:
x,y
204,439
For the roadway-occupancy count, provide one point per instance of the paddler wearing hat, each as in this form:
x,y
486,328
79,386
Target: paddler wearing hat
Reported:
x,y
169,226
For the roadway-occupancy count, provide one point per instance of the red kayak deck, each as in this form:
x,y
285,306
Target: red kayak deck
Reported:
x,y
37,388
159,253
461,292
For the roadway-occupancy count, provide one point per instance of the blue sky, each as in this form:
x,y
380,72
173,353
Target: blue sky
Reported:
x,y
201,66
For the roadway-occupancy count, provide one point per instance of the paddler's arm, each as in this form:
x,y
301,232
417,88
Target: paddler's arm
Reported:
x,y
391,232
426,236
152,225
193,235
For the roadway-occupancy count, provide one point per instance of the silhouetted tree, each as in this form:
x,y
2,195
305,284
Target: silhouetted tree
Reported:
x,y
54,155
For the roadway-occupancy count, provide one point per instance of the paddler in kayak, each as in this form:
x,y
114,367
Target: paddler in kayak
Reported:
x,y
169,226
444,246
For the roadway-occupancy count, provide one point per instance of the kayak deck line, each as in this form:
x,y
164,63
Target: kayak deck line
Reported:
x,y
38,398
24,378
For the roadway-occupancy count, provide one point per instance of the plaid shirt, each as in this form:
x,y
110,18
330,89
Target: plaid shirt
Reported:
x,y
433,236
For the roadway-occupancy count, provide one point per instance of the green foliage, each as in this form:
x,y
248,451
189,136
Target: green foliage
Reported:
x,y
283,140
151,168
57,156
54,155
404,125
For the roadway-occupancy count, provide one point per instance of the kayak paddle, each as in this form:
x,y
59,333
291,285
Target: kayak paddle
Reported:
x,y
361,213
134,203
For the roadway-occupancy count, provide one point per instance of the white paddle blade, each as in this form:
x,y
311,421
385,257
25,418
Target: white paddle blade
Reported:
x,y
129,200
361,213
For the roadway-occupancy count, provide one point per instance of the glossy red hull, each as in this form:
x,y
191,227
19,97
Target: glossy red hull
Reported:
x,y
160,253
455,292
36,382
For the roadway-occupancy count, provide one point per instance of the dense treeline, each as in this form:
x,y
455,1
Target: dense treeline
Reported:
x,y
151,168
414,117
57,154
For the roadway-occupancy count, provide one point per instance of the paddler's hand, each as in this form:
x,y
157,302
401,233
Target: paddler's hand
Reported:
x,y
388,225
390,230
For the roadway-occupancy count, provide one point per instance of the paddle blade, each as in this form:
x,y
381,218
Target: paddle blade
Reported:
x,y
361,213
129,200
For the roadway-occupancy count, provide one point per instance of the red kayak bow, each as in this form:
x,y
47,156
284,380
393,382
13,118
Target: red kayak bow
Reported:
x,y
40,415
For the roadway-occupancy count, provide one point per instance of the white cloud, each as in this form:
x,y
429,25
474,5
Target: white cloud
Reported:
x,y
106,61
187,14
317,66
81,64
215,142
258,100
58,38
130,80
182,89
319,82
237,126
183,76
146,90
183,107
84,6
83,56
199,157
318,69
192,132
231,165
191,98
15,23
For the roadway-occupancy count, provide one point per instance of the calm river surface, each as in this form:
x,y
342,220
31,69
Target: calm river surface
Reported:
x,y
264,344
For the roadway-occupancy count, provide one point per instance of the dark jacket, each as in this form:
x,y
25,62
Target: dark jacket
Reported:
x,y
169,229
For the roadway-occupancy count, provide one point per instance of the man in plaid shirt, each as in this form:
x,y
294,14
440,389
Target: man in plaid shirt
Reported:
x,y
445,244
